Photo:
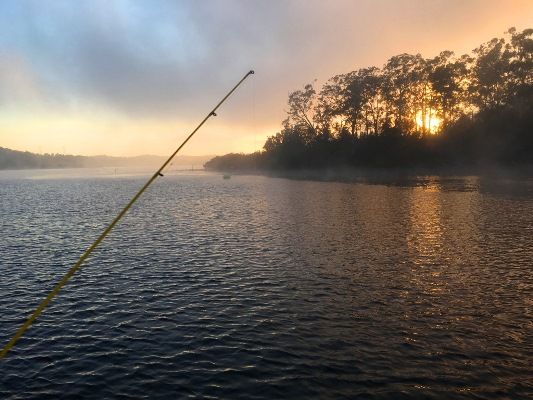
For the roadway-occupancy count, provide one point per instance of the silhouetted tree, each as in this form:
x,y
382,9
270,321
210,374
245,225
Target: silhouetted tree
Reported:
x,y
449,82
388,117
302,108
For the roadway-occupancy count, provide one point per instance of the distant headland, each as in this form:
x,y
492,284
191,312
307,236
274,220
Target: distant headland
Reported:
x,y
13,159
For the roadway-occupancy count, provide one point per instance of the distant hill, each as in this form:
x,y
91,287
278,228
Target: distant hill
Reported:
x,y
13,159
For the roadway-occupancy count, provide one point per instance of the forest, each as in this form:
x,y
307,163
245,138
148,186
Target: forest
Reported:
x,y
468,110
13,159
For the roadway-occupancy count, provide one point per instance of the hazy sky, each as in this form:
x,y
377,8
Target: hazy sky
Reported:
x,y
125,77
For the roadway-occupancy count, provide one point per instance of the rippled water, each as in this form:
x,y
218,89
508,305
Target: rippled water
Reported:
x,y
257,287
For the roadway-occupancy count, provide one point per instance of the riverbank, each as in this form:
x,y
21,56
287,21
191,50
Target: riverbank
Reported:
x,y
375,174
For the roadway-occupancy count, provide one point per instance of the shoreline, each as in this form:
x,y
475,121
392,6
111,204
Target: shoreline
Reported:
x,y
355,175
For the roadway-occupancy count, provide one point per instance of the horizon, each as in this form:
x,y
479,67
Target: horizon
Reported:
x,y
112,156
92,80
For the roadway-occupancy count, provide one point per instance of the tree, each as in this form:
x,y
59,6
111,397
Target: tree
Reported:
x,y
301,107
447,77
372,102
352,100
521,64
329,111
490,76
400,75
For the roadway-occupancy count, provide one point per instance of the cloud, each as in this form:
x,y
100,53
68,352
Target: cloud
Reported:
x,y
152,57
18,83
174,59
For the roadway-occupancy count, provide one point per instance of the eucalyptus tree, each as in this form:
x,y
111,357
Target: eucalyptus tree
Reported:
x,y
491,83
521,63
352,101
301,110
448,77
401,74
329,110
373,107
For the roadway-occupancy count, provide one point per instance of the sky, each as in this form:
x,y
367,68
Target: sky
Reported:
x,y
131,77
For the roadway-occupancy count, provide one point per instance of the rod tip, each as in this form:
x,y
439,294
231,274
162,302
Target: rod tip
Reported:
x,y
251,72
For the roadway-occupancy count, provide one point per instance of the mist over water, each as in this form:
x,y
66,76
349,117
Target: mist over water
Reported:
x,y
257,287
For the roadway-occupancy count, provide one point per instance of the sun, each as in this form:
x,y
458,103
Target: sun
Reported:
x,y
430,122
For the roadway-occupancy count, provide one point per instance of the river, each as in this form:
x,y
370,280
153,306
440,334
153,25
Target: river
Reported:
x,y
265,288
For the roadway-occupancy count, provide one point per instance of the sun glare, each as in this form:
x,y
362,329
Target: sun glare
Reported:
x,y
430,122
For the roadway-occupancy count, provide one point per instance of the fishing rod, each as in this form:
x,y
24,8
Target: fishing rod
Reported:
x,y
106,231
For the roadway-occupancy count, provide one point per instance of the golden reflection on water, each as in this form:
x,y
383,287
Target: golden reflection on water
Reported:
x,y
441,236
425,235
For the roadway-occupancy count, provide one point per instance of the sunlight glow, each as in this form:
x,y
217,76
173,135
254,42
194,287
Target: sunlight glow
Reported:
x,y
96,132
430,123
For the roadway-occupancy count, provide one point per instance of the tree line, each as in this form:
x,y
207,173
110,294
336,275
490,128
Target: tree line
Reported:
x,y
13,159
469,109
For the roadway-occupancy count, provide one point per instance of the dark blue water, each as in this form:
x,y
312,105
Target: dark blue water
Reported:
x,y
267,288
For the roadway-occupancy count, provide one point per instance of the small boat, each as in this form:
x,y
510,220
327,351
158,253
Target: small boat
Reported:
x,y
226,176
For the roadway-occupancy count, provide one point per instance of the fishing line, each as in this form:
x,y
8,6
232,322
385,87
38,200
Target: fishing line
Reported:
x,y
102,236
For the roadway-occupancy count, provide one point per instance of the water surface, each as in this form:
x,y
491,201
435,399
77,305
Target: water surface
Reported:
x,y
264,288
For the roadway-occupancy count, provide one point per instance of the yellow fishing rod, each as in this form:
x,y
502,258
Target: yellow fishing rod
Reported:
x,y
106,231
